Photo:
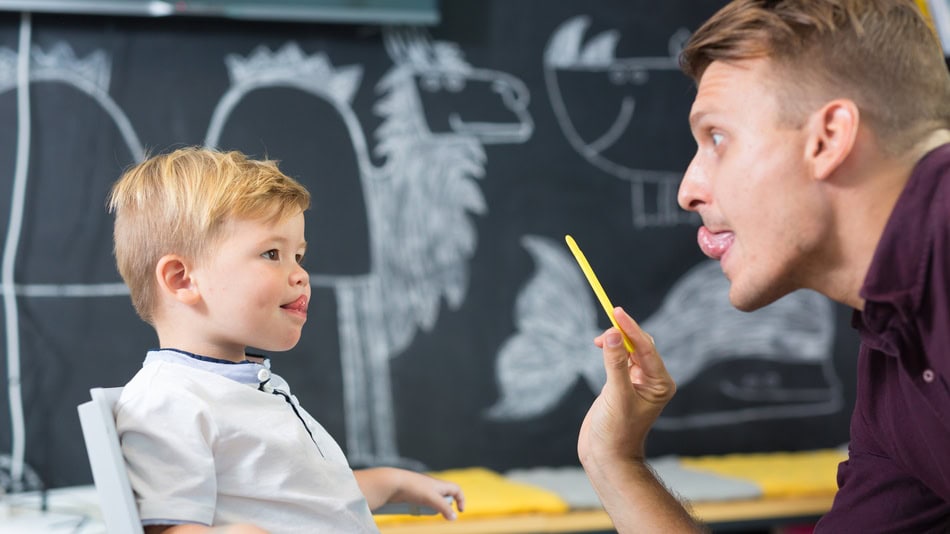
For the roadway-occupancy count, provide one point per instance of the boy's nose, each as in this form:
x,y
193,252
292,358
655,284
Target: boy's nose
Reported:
x,y
300,276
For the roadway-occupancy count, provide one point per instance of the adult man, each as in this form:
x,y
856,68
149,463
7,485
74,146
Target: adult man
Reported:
x,y
822,162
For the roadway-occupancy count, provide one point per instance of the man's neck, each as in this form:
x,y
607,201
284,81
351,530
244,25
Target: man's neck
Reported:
x,y
865,197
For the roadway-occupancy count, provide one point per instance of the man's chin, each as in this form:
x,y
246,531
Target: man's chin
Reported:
x,y
749,300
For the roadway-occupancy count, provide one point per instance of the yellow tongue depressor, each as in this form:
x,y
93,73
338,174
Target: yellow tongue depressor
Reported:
x,y
598,289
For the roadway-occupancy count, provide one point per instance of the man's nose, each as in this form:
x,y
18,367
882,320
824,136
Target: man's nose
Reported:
x,y
694,188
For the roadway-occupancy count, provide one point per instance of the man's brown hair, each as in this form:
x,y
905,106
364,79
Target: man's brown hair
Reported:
x,y
881,54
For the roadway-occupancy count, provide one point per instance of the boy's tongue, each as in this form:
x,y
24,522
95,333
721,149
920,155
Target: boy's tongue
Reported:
x,y
300,304
712,244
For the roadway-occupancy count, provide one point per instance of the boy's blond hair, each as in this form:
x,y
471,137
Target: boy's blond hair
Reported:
x,y
880,53
177,203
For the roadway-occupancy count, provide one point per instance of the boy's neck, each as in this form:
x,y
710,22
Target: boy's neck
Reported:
x,y
175,339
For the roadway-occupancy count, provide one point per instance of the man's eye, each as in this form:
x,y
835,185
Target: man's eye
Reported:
x,y
299,258
271,254
717,139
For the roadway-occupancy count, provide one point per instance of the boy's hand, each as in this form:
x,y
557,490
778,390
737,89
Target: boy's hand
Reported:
x,y
385,485
423,490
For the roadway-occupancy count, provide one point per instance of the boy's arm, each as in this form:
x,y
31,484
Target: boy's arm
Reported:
x,y
201,529
383,485
168,450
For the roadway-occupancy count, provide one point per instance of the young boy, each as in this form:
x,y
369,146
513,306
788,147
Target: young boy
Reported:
x,y
210,245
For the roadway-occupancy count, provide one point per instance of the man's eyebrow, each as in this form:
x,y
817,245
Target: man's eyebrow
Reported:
x,y
696,117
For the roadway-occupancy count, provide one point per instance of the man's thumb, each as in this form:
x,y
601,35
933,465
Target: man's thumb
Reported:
x,y
616,358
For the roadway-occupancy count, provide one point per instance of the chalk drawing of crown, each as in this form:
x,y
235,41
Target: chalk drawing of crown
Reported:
x,y
290,66
60,63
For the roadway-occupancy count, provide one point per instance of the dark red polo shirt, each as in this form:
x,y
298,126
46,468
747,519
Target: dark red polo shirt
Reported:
x,y
897,476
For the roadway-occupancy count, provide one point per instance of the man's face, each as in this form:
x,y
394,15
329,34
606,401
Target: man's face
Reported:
x,y
750,181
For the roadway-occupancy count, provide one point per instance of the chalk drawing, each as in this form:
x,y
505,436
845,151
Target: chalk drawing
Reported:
x,y
696,327
18,72
555,320
91,75
419,202
653,192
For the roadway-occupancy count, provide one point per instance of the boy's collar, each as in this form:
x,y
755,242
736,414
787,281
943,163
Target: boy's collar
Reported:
x,y
251,358
247,371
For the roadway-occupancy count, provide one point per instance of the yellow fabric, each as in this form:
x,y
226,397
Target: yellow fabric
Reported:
x,y
487,493
792,474
925,9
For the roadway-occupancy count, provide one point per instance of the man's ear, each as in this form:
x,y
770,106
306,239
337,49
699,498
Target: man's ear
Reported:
x,y
832,131
175,279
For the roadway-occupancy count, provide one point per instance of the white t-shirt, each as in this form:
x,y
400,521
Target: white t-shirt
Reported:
x,y
205,442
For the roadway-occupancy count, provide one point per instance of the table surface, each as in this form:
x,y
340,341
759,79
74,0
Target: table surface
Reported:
x,y
75,510
712,513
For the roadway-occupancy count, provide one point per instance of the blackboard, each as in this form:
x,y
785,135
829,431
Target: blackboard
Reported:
x,y
449,325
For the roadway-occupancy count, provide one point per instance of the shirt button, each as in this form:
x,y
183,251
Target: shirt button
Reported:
x,y
928,376
263,375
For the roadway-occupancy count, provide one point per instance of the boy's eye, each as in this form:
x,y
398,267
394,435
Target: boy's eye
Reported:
x,y
299,258
716,139
271,254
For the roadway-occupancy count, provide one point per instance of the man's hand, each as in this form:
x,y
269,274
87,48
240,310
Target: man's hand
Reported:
x,y
611,441
638,387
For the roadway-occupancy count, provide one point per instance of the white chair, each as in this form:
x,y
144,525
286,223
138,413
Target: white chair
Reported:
x,y
119,511
116,500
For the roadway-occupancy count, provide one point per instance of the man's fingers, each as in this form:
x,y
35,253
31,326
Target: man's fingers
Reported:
x,y
642,342
616,358
644,346
654,381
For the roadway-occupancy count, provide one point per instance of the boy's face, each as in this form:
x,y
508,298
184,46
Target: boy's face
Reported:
x,y
253,288
762,213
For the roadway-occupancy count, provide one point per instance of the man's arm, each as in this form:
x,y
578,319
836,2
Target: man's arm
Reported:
x,y
612,437
637,501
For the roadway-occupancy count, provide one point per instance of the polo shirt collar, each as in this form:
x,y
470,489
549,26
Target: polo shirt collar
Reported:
x,y
894,285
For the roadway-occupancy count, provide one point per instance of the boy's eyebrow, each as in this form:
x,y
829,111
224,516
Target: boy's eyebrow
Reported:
x,y
281,240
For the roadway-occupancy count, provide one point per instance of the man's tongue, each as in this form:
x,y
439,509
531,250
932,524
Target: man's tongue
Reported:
x,y
712,244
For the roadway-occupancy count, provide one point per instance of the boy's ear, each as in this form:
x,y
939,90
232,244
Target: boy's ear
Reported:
x,y
175,279
832,131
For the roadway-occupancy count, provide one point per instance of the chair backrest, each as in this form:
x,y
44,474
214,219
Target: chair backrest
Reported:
x,y
97,419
